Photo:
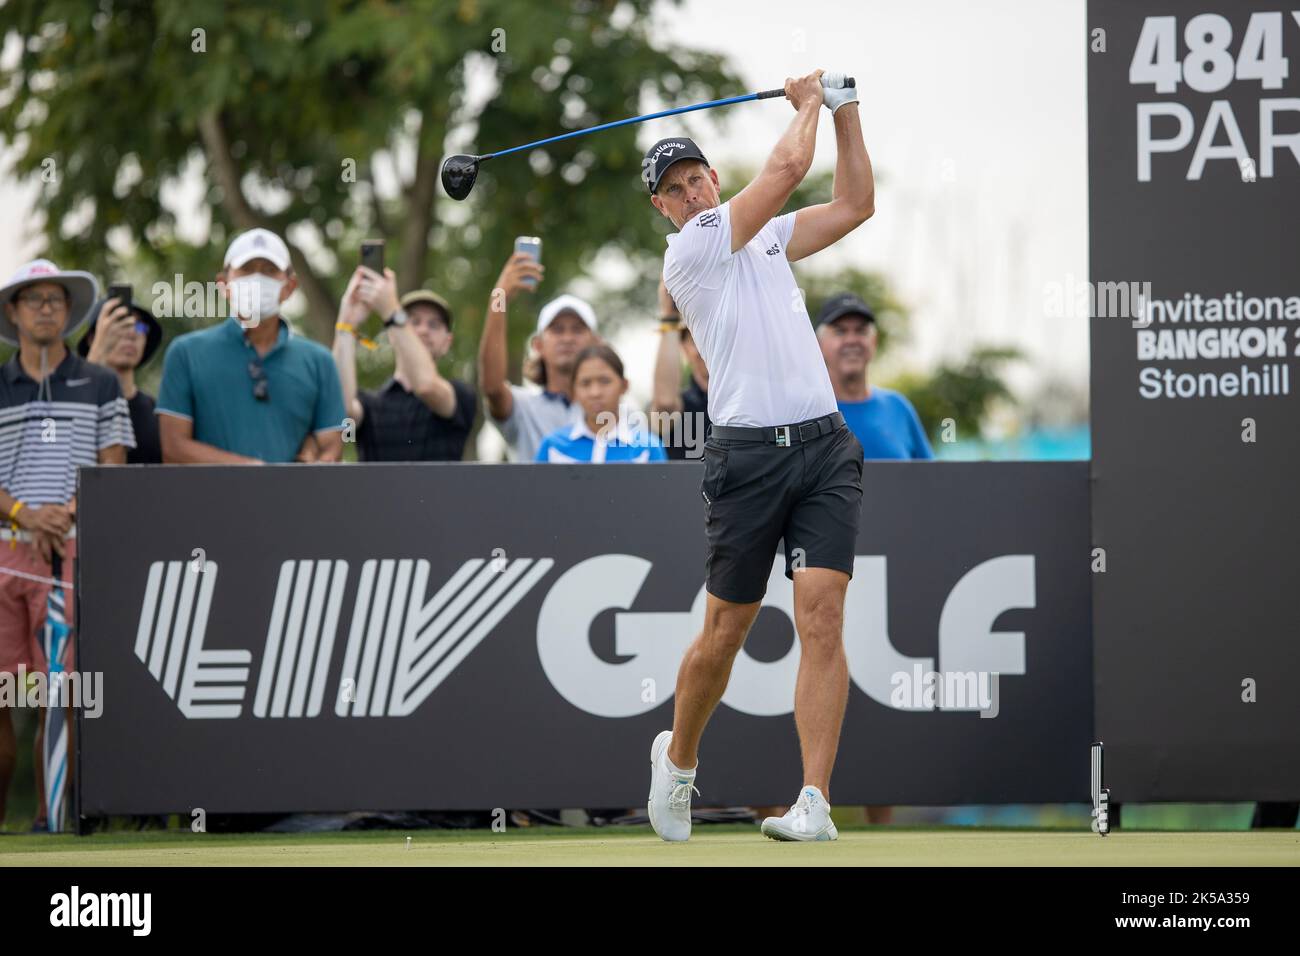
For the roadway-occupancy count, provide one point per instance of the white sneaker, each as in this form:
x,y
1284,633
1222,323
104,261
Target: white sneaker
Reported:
x,y
809,819
669,803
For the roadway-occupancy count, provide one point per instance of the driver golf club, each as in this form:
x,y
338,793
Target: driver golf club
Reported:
x,y
460,171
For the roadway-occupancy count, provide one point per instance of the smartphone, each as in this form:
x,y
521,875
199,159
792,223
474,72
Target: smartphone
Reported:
x,y
372,255
532,246
120,292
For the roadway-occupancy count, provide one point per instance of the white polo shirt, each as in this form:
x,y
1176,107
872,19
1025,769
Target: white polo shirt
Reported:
x,y
534,414
749,322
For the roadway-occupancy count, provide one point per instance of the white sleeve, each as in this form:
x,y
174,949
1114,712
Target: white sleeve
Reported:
x,y
509,426
701,249
784,226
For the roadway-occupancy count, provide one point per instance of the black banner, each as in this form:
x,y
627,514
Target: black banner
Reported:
x,y
1194,186
481,636
157,902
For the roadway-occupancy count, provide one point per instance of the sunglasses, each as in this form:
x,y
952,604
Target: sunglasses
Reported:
x,y
261,390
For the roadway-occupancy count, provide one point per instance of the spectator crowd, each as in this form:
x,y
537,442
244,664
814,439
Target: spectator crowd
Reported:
x,y
249,390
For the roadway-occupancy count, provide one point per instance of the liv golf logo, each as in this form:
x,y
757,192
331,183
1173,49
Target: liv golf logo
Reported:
x,y
402,643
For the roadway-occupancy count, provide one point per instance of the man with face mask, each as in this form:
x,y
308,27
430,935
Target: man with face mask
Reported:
x,y
249,390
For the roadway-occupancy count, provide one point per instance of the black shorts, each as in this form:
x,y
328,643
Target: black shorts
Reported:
x,y
756,493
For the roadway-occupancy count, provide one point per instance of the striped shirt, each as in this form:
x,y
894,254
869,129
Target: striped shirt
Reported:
x,y
46,433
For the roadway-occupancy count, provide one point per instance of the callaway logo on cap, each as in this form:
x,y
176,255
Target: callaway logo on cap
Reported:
x,y
663,154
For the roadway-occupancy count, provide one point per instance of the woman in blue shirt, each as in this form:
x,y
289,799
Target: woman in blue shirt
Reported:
x,y
603,435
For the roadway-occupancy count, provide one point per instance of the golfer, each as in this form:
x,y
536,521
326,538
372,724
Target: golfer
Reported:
x,y
780,462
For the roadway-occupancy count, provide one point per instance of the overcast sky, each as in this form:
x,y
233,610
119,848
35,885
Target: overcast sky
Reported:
x,y
975,118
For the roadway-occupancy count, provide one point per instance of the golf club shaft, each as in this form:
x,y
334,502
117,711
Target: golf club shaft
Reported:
x,y
765,94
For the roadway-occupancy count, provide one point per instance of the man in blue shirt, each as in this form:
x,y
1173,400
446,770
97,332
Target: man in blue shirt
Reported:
x,y
883,420
248,390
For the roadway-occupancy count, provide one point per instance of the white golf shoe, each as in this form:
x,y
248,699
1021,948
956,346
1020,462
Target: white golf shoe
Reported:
x,y
669,803
809,819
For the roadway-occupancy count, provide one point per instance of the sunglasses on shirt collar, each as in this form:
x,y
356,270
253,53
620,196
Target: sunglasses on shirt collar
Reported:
x,y
261,390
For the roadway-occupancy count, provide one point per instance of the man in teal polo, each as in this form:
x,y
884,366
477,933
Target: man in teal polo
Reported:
x,y
248,390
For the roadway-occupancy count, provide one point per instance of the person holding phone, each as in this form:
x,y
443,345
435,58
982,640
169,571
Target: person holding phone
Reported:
x,y
565,327
417,415
602,435
249,390
123,338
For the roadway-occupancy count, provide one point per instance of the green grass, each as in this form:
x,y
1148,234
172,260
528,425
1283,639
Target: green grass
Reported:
x,y
717,845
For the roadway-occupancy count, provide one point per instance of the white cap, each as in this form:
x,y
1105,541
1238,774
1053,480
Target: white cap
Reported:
x,y
566,303
257,244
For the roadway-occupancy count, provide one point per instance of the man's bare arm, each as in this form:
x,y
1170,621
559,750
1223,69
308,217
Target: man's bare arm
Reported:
x,y
180,447
492,348
666,396
345,360
329,444
853,196
755,205
427,383
492,355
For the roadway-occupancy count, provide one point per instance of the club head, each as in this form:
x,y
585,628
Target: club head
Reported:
x,y
458,175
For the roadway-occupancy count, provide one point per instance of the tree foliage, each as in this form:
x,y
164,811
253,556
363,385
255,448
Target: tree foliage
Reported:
x,y
964,391
112,104
327,121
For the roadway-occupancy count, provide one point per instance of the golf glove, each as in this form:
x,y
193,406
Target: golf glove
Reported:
x,y
834,93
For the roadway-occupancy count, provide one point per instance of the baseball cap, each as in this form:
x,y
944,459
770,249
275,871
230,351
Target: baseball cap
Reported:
x,y
842,304
663,154
432,298
257,244
566,303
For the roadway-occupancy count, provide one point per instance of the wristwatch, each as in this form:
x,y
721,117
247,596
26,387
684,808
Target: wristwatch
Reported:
x,y
397,318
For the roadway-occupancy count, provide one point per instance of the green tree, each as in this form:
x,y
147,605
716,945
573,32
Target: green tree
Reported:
x,y
327,121
294,116
965,391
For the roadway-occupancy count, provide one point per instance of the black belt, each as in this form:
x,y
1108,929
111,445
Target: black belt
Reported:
x,y
782,434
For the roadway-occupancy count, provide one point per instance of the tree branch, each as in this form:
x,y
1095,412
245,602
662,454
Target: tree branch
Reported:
x,y
225,173
419,205
376,206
